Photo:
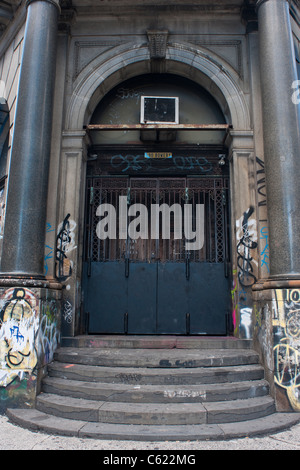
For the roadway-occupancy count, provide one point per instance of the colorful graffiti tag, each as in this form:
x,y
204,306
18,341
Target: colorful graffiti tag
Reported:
x,y
29,333
19,324
286,333
245,275
49,332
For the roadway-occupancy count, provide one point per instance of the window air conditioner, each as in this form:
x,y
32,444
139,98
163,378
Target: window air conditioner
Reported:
x,y
159,110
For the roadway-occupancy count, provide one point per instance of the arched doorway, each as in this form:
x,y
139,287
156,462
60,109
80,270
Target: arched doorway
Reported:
x,y
156,249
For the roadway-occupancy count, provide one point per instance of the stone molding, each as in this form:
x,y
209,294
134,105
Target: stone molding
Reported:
x,y
182,59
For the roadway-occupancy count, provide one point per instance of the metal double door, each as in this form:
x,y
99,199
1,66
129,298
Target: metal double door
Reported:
x,y
158,282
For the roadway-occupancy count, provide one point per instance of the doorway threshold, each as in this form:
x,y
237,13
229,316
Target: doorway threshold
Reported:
x,y
156,342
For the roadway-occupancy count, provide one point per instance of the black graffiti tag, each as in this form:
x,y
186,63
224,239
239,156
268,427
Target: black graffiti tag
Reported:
x,y
244,247
62,240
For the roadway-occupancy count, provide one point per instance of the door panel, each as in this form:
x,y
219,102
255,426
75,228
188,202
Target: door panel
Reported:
x,y
207,299
106,297
142,280
172,304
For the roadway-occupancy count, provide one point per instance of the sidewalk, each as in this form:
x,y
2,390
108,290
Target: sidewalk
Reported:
x,y
13,437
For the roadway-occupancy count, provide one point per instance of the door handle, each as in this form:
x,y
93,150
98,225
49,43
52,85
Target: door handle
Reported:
x,y
188,323
126,323
187,268
126,267
226,269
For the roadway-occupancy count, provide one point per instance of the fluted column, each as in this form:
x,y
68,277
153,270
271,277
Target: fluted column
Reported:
x,y
24,233
281,137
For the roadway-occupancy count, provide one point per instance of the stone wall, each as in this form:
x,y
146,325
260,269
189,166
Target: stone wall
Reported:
x,y
29,335
276,325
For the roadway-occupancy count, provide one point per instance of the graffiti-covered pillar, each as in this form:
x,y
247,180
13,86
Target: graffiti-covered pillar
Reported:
x,y
24,233
281,124
244,228
29,305
277,298
69,237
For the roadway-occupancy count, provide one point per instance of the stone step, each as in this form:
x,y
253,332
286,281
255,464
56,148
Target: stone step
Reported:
x,y
155,388
156,342
155,413
156,358
154,376
155,393
38,421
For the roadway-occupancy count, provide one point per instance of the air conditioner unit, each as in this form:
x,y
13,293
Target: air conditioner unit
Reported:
x,y
159,110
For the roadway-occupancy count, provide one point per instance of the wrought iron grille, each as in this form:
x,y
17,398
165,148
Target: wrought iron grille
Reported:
x,y
212,193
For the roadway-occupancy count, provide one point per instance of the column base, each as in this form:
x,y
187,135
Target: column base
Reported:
x,y
277,282
30,318
276,336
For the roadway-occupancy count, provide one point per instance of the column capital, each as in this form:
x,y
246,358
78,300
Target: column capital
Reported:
x,y
56,3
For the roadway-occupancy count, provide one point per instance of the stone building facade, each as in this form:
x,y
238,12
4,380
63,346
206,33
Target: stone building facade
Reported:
x,y
72,77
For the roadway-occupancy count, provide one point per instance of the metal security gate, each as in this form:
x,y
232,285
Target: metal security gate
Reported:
x,y
156,255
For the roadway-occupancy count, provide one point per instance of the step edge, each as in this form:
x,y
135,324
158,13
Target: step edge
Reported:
x,y
190,392
173,413
25,419
51,397
158,370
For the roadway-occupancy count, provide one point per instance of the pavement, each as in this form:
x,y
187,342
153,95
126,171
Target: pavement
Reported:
x,y
13,437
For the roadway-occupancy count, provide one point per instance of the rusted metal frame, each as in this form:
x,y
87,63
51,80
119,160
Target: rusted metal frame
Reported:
x,y
178,127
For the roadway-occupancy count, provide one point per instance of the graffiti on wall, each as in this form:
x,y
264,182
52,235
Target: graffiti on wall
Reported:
x,y
67,311
49,332
261,183
263,332
286,333
65,243
247,242
245,274
49,250
19,324
264,254
29,334
262,217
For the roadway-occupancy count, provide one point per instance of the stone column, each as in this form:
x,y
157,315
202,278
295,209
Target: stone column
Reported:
x,y
30,306
281,128
277,299
24,233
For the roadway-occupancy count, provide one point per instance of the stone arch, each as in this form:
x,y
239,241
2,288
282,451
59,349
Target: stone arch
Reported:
x,y
126,61
112,68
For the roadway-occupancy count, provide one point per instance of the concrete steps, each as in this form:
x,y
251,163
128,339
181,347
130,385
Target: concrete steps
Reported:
x,y
154,413
173,388
124,393
142,375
